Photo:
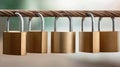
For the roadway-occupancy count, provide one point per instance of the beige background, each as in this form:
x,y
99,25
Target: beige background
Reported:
x,y
66,60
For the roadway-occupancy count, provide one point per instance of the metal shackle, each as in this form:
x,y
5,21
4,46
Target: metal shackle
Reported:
x,y
42,21
70,23
113,23
21,24
93,20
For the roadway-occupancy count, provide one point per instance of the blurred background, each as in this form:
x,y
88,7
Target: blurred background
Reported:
x,y
78,59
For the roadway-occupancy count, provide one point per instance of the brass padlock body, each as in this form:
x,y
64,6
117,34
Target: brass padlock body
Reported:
x,y
14,43
108,41
63,42
36,42
89,41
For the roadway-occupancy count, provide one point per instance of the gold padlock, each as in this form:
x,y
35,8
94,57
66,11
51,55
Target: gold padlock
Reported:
x,y
108,39
89,41
37,40
63,42
14,42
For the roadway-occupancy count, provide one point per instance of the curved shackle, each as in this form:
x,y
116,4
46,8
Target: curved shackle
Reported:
x,y
93,20
113,23
70,23
42,21
21,24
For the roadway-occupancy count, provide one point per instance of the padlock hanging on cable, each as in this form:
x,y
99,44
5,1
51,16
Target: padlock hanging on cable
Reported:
x,y
14,42
37,40
88,41
108,39
63,42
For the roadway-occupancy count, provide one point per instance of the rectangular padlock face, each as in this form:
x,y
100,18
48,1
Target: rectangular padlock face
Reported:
x,y
63,42
89,41
37,42
14,43
108,41
86,41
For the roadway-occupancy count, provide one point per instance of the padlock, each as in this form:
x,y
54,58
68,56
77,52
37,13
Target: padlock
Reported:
x,y
37,40
14,42
88,41
63,42
108,39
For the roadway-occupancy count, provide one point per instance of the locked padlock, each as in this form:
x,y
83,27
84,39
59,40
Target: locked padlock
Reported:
x,y
108,39
14,42
89,41
37,40
63,42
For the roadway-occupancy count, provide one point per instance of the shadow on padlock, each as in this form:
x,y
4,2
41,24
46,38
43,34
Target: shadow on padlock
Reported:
x,y
108,39
63,42
37,40
14,42
88,41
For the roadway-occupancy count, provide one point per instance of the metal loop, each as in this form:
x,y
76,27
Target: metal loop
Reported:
x,y
93,20
70,23
99,20
113,23
21,25
42,21
82,23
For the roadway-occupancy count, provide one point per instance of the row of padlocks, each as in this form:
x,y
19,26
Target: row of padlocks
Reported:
x,y
20,42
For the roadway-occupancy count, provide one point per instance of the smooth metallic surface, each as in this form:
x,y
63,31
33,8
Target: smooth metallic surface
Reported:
x,y
37,40
93,20
14,42
109,39
63,42
99,20
88,41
